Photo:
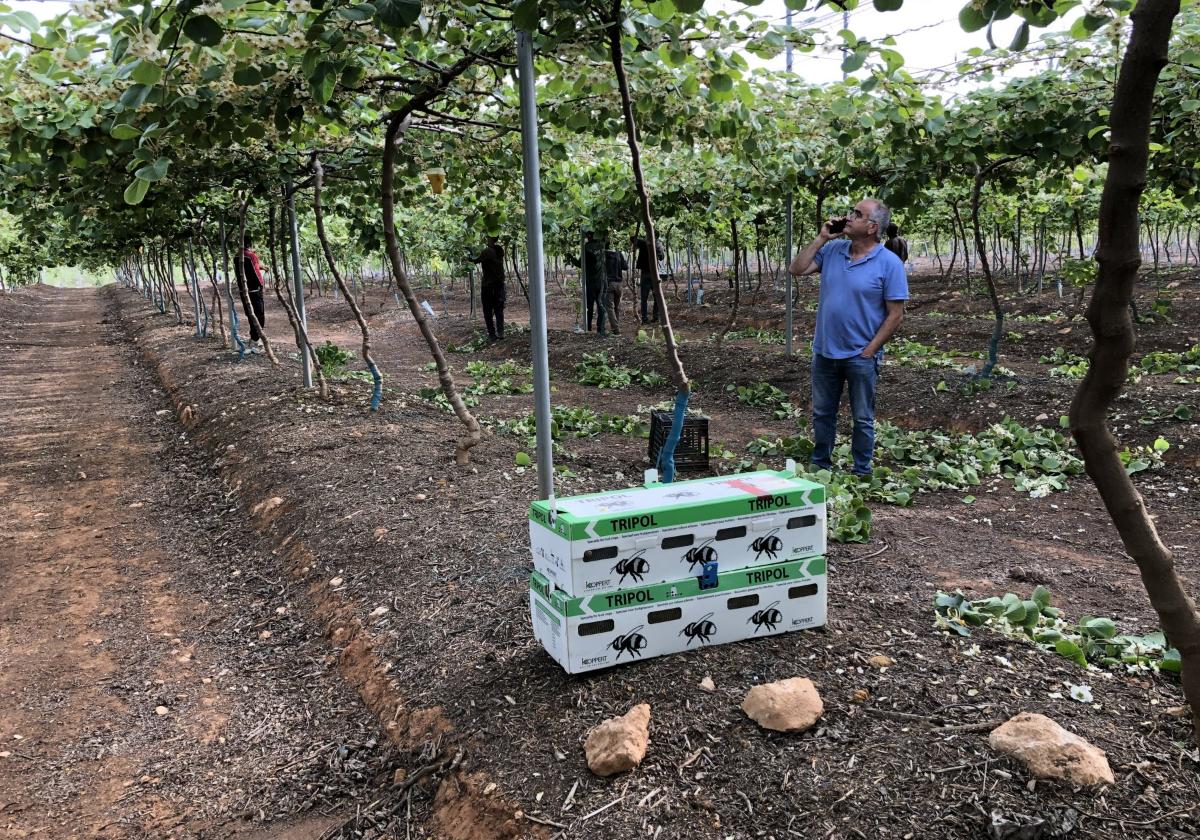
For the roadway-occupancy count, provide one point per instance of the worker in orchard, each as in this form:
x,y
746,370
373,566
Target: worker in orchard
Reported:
x,y
491,291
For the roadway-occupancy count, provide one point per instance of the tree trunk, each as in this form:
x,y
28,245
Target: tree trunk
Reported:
x,y
1118,256
377,389
216,288
283,282
981,250
737,285
396,127
820,197
1017,261
957,225
679,377
937,252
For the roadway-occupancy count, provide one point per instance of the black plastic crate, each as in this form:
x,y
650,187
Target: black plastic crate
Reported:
x,y
691,455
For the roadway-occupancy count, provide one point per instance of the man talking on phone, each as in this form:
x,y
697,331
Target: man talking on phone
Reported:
x,y
861,304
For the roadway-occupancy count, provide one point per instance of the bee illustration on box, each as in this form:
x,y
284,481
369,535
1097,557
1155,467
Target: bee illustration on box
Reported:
x,y
681,494
702,629
634,566
767,617
632,643
768,543
700,554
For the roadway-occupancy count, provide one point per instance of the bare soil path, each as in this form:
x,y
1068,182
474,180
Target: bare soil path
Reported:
x,y
138,695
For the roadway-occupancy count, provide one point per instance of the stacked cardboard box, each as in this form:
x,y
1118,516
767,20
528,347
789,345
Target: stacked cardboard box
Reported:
x,y
631,574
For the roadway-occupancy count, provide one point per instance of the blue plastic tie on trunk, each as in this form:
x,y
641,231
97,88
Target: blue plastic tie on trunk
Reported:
x,y
241,345
666,455
377,390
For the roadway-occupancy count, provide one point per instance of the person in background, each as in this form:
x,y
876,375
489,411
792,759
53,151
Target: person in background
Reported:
x,y
859,307
896,243
491,291
646,279
251,273
615,266
593,278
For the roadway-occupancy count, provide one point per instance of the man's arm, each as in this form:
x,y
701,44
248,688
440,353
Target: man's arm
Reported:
x,y
804,262
895,314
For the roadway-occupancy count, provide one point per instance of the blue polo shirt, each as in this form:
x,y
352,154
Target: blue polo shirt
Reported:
x,y
851,307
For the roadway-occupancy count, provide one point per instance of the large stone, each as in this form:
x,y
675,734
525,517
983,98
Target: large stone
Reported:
x,y
619,744
1051,752
785,706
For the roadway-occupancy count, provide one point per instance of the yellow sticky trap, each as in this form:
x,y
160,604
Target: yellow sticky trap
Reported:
x,y
437,179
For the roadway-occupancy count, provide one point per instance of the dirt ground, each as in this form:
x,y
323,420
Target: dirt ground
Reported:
x,y
405,579
138,695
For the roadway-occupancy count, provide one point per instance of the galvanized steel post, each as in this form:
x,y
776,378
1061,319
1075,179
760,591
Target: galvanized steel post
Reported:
x,y
535,266
787,236
298,281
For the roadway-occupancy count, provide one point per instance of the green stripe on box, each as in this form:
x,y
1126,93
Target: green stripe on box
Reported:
x,y
665,593
635,519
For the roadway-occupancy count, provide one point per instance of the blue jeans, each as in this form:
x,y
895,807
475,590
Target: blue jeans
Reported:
x,y
828,376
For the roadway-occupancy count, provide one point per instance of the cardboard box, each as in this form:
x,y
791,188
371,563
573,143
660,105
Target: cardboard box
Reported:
x,y
664,532
629,625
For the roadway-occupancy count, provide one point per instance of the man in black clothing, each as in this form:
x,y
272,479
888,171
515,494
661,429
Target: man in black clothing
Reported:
x,y
615,267
250,273
491,290
594,278
646,280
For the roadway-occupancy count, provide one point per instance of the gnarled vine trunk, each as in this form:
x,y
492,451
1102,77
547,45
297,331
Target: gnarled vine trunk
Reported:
x,y
737,282
318,180
986,269
678,377
1108,314
288,303
396,128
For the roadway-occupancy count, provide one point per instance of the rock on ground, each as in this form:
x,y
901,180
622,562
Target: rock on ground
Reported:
x,y
1051,752
786,706
619,744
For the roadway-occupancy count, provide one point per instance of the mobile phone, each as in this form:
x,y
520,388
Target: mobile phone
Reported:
x,y
837,225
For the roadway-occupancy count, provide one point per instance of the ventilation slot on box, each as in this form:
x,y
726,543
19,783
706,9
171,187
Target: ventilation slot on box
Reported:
x,y
591,628
661,616
731,533
742,601
802,591
678,542
802,521
606,553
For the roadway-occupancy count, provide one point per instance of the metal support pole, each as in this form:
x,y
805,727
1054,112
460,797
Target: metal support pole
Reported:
x,y
787,261
233,336
298,281
787,235
535,268
184,259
